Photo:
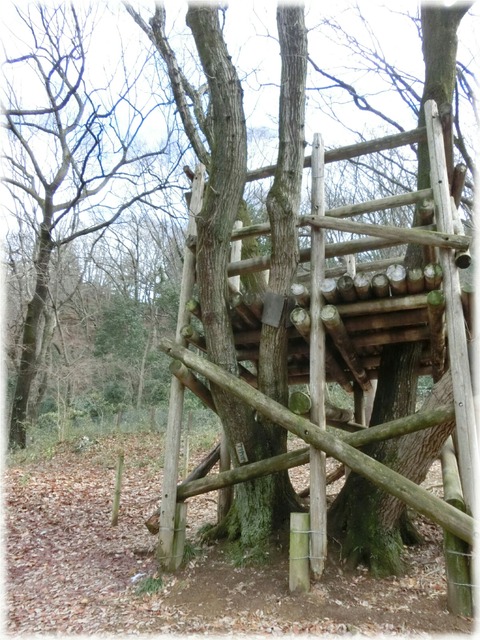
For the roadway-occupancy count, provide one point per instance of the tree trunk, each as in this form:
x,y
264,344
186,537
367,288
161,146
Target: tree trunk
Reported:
x,y
283,202
30,338
268,498
370,526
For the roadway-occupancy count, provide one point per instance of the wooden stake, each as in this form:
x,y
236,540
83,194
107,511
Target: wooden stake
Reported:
x,y
180,536
118,489
299,573
457,553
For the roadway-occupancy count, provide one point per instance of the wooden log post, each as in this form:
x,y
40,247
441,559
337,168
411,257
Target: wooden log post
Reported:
x,y
165,548
180,535
415,280
414,496
397,277
457,553
380,285
329,291
299,571
433,275
189,380
346,288
236,256
335,327
318,474
363,287
463,259
118,489
301,294
196,484
436,323
466,430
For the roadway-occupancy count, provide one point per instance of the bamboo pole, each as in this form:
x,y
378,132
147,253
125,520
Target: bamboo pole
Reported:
x,y
175,408
118,489
457,341
318,474
462,525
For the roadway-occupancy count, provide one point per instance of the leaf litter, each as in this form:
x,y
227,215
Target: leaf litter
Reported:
x,y
70,572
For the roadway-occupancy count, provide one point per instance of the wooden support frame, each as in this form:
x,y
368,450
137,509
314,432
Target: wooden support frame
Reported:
x,y
414,496
466,433
318,474
166,539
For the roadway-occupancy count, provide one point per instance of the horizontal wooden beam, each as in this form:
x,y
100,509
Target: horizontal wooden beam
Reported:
x,y
351,151
415,235
401,200
298,457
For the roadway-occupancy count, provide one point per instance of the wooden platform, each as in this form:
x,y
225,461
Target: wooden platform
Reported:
x,y
361,314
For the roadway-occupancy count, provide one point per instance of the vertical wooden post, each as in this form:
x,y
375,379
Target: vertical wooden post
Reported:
x,y
299,573
236,256
457,340
180,535
369,400
318,485
118,489
457,556
186,445
175,407
225,495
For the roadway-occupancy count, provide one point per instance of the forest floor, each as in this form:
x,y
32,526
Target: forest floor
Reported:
x,y
70,572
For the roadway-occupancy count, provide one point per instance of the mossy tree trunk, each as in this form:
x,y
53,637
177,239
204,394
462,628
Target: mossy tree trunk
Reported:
x,y
371,526
262,503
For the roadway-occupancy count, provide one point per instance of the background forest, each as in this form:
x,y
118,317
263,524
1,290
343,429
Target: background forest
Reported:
x,y
94,182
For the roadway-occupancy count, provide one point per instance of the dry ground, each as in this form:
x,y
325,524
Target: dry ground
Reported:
x,y
70,571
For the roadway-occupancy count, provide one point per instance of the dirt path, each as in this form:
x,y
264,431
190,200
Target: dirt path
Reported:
x,y
69,571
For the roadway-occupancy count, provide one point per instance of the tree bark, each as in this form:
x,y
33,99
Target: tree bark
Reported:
x,y
376,537
30,338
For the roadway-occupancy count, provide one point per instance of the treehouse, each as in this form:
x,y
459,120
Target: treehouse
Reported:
x,y
339,321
